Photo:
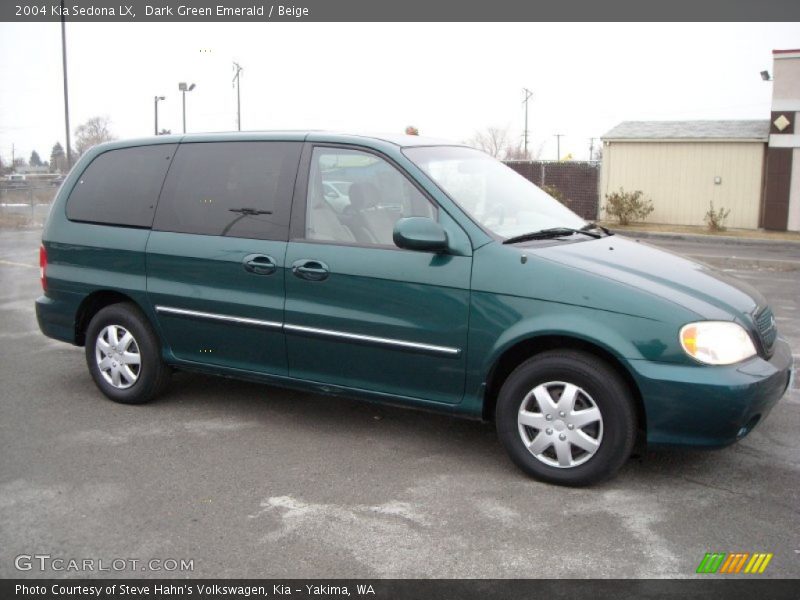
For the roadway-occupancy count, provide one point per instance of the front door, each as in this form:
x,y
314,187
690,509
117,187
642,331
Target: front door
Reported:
x,y
361,312
215,258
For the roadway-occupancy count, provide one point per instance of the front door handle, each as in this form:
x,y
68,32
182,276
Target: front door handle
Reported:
x,y
260,264
312,270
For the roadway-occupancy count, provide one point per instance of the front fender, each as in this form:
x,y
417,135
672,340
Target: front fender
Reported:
x,y
498,323
578,326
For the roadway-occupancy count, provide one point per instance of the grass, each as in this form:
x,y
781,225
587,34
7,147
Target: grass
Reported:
x,y
760,234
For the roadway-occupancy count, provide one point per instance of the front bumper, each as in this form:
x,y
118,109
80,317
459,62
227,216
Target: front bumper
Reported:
x,y
713,406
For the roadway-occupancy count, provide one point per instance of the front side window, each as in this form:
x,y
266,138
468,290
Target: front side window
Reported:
x,y
495,196
236,189
357,197
120,187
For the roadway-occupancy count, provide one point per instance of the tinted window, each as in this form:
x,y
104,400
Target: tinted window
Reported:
x,y
357,197
120,187
237,189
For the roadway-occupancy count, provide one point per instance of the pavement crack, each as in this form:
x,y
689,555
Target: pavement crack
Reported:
x,y
712,486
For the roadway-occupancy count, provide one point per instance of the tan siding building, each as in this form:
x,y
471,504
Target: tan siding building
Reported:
x,y
782,201
683,166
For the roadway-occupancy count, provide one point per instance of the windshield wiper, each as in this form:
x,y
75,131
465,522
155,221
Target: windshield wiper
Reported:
x,y
552,232
589,226
248,212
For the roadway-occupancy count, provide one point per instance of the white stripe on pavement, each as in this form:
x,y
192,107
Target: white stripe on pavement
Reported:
x,y
11,263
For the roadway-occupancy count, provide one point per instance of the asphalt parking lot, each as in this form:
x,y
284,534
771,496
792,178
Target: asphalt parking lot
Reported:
x,y
253,481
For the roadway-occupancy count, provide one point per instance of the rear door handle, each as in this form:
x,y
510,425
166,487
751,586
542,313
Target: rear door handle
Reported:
x,y
312,270
260,264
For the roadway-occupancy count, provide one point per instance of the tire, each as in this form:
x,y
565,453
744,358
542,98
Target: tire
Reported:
x,y
141,382
586,445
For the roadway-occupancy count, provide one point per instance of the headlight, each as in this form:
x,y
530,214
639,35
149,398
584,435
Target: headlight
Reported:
x,y
716,342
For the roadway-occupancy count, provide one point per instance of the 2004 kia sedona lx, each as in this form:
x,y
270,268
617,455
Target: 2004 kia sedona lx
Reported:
x,y
406,271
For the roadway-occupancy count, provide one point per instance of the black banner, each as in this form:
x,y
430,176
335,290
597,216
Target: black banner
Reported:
x,y
200,11
399,589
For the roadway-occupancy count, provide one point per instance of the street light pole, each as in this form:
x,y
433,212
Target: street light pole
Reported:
x,y
66,89
184,88
558,145
237,81
155,107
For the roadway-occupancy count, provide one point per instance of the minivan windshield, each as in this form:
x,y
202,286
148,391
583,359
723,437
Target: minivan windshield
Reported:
x,y
495,196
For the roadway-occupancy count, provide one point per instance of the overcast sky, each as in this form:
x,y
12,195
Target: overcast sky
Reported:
x,y
449,80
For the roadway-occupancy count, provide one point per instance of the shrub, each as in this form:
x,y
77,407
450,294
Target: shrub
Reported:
x,y
628,206
555,193
715,219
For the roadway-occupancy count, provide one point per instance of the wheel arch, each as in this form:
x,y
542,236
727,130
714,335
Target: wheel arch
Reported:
x,y
94,303
526,348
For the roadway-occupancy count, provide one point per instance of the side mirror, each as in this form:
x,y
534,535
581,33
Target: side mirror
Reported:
x,y
420,233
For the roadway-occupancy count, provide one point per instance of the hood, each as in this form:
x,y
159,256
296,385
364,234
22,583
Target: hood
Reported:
x,y
708,292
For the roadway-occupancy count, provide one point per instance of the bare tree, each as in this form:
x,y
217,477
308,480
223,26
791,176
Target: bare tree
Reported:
x,y
94,131
516,152
492,140
499,143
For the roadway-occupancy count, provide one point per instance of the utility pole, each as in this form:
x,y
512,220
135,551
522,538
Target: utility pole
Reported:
x,y
558,137
528,95
591,148
237,82
66,89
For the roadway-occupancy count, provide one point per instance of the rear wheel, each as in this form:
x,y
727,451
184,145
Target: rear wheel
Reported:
x,y
123,354
566,417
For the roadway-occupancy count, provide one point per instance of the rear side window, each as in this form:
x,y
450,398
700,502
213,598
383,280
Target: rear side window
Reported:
x,y
237,189
120,187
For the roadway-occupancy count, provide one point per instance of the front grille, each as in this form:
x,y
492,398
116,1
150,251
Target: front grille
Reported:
x,y
767,331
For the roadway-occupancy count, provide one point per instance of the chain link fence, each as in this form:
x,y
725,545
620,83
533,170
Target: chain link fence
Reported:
x,y
575,183
25,205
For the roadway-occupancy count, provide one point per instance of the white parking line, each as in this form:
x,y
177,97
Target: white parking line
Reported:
x,y
11,263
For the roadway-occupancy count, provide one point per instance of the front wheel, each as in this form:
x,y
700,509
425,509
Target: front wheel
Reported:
x,y
124,355
566,417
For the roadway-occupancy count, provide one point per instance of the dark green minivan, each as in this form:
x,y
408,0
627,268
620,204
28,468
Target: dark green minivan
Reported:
x,y
405,271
